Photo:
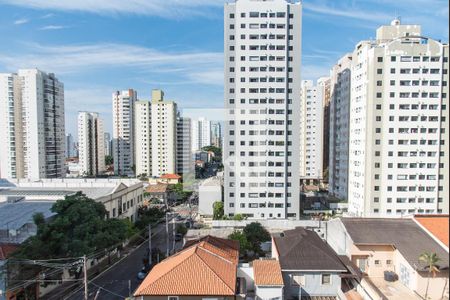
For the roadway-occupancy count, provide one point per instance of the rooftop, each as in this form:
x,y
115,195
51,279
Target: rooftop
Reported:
x,y
437,225
267,272
171,176
15,215
302,249
6,250
207,268
403,234
157,188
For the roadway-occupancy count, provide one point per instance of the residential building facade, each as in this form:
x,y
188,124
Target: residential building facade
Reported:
x,y
108,146
32,126
91,144
339,127
311,131
123,131
216,134
398,140
70,146
325,83
185,160
262,102
143,135
201,133
164,134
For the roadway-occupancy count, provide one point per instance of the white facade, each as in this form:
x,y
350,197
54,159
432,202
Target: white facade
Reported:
x,y
185,161
107,140
339,127
164,131
91,144
209,192
123,131
262,99
32,128
201,134
143,135
398,147
311,130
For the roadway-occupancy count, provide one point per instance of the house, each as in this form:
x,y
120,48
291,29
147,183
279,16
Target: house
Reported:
x,y
385,250
268,279
206,268
165,179
309,266
160,191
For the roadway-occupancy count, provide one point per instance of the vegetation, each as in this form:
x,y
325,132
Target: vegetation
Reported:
x,y
80,227
256,234
148,215
217,151
218,210
431,260
182,195
109,160
251,237
181,229
238,217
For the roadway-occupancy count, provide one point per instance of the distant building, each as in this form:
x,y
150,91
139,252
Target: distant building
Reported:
x,y
325,83
185,161
91,144
201,133
311,131
216,134
143,134
31,125
71,149
108,143
123,131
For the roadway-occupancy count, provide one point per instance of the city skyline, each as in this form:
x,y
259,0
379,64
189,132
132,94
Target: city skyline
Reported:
x,y
79,50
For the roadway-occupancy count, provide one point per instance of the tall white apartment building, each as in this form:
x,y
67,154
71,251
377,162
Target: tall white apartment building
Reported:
x,y
185,160
311,131
339,127
201,133
164,134
143,136
325,83
107,140
398,147
123,131
32,128
91,144
262,99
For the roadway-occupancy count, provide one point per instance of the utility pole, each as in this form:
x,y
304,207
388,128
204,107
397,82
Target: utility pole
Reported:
x,y
167,235
173,235
85,278
149,244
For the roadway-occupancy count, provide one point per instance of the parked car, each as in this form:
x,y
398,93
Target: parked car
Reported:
x,y
142,273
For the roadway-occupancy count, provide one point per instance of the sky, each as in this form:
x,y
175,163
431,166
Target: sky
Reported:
x,y
96,47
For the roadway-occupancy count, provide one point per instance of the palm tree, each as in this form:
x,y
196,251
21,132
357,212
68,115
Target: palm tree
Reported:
x,y
431,259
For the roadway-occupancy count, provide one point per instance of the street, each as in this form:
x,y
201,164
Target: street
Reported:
x,y
121,280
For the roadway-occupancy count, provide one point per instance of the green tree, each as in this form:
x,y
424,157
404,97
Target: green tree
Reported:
x,y
181,228
79,227
238,217
109,160
256,234
182,195
218,210
217,151
431,260
239,236
148,215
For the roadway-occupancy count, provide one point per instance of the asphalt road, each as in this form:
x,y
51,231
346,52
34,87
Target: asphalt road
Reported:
x,y
120,281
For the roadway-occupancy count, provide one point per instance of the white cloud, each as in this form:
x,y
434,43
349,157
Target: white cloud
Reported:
x,y
53,27
163,8
21,21
197,66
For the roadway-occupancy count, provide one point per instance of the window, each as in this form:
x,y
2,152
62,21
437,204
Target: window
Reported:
x,y
377,263
298,280
326,279
172,298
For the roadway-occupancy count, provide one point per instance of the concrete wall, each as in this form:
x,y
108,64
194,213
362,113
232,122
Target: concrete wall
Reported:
x,y
207,195
269,292
270,224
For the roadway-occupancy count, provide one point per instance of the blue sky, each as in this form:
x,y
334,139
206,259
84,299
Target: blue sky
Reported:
x,y
98,46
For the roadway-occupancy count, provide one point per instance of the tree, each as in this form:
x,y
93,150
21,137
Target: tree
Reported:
x,y
148,215
181,229
239,236
79,227
217,151
218,210
256,234
109,160
431,260
238,217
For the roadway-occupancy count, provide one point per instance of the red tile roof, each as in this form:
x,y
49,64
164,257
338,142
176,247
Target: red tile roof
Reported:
x,y
267,272
157,188
6,250
437,225
204,269
171,176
